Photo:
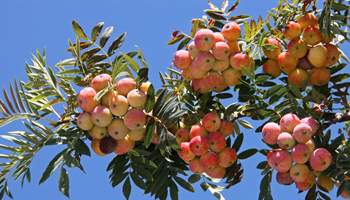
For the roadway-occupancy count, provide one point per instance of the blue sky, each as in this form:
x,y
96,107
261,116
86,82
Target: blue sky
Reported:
x,y
30,24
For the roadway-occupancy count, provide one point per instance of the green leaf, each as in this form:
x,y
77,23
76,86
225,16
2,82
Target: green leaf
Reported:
x,y
238,142
127,188
247,153
174,191
149,132
245,124
184,184
116,44
106,35
52,166
78,30
64,182
132,63
96,31
177,37
194,178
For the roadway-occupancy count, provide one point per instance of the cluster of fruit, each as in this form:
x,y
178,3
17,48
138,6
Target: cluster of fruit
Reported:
x,y
296,159
213,61
308,56
204,146
118,120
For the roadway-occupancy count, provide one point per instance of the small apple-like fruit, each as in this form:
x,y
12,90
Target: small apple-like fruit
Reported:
x,y
270,133
137,134
135,119
218,37
204,39
86,99
272,68
202,64
209,160
313,123
95,145
211,122
234,46
215,81
221,65
117,129
227,157
325,182
137,98
182,59
284,178
301,154
304,64
98,132
119,105
84,121
288,122
221,51
292,30
193,50
216,172
100,82
185,152
272,48
305,185
310,145
196,166
312,35
101,116
309,19
231,31
182,135
297,48
145,86
299,172
281,161
216,141
317,56
124,145
199,145
333,54
298,78
320,76
226,128
242,62
107,145
198,130
302,133
232,76
285,140
107,98
320,159
125,85
287,62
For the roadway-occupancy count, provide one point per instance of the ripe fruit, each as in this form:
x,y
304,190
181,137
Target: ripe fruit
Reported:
x,y
287,62
299,172
117,129
100,82
137,134
221,51
196,166
226,128
292,30
145,86
209,160
221,65
272,68
241,61
333,54
135,119
305,185
86,99
284,178
182,135
95,145
101,116
125,85
216,141
182,59
301,153
232,76
218,37
98,132
297,48
204,39
137,98
231,31
325,182
216,172
312,35
199,145
185,152
309,19
302,133
317,56
299,78
285,140
288,122
272,48
281,161
234,46
202,64
107,98
310,145
193,50
320,159
119,105
211,122
312,123
320,76
215,81
124,145
84,121
227,157
271,132
197,130
107,145
304,64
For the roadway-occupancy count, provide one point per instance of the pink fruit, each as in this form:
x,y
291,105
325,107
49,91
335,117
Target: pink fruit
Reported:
x,y
197,130
117,130
292,30
297,48
182,135
287,62
135,119
310,145
215,81
137,134
209,160
216,141
125,85
270,133
284,178
301,154
119,105
231,31
199,145
232,76
272,48
241,61
211,122
221,51
288,122
196,166
302,133
226,128
124,145
312,123
101,81
84,121
86,99
269,159
204,39
185,152
285,140
227,157
282,161
221,65
98,132
137,98
182,59
320,159
203,62
193,50
101,116
218,37
299,172
107,98
216,172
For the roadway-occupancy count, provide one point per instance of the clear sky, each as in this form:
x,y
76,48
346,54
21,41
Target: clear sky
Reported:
x,y
30,24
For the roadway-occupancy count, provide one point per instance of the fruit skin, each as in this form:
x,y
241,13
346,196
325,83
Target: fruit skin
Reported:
x,y
284,178
124,145
333,54
325,182
211,122
145,86
216,141
310,145
281,161
305,185
119,105
297,48
301,153
196,166
313,123
192,49
117,129
216,172
272,48
137,134
285,140
182,135
272,68
227,157
221,65
221,51
242,62
299,78
197,130
226,128
292,30
98,132
125,85
234,46
185,152
231,31
299,172
312,35
199,145
232,76
218,37
182,59
320,76
95,145
86,99
302,133
271,132
204,39
209,160
135,119
187,74
320,159
202,64
84,121
107,145
100,82
304,64
317,56
216,81
101,116
137,98
107,98
309,19
288,122
287,62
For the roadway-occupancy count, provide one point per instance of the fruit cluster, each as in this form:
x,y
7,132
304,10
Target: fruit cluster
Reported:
x,y
308,56
213,61
118,120
204,146
296,159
